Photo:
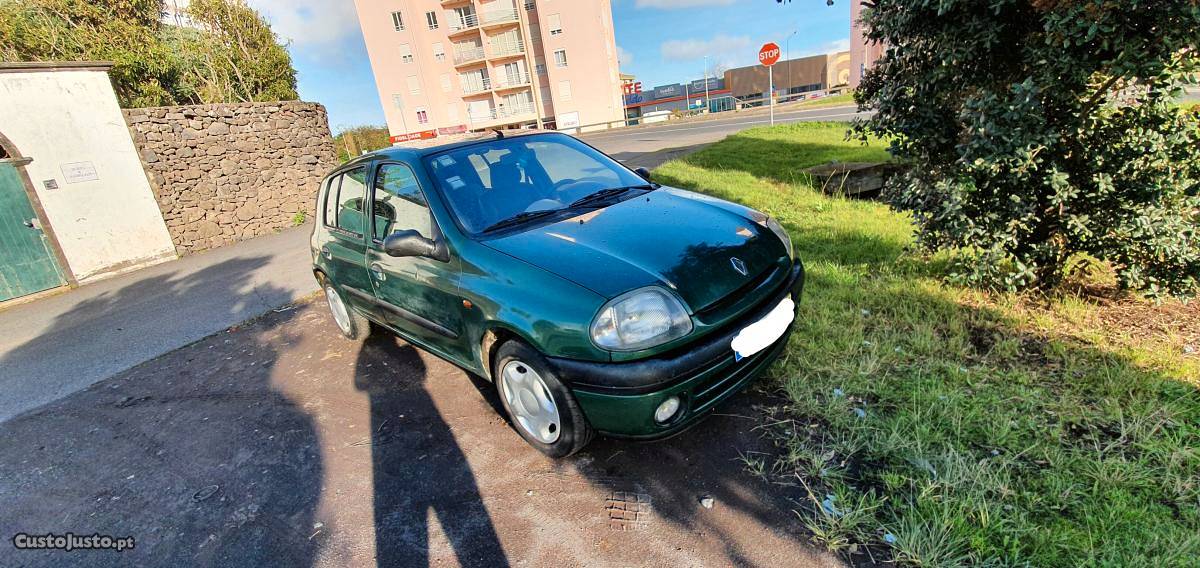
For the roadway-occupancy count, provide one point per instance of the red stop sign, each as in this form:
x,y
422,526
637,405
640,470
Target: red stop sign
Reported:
x,y
769,54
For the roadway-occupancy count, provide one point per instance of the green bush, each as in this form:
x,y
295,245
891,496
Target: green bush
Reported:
x,y
1039,130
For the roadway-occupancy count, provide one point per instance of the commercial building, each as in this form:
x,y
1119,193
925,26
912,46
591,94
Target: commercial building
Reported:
x,y
672,97
792,77
863,52
451,66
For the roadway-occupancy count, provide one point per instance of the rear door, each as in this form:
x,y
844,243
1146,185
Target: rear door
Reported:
x,y
345,244
26,263
419,295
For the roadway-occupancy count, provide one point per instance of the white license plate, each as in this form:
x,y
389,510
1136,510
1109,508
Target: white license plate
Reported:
x,y
762,333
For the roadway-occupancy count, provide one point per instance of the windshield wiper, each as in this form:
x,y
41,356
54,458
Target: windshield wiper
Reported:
x,y
605,194
520,218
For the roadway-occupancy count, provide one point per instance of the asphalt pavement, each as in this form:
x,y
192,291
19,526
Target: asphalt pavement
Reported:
x,y
52,347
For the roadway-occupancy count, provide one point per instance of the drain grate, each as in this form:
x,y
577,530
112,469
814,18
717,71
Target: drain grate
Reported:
x,y
627,510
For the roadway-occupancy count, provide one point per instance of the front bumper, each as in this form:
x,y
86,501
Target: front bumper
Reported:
x,y
619,399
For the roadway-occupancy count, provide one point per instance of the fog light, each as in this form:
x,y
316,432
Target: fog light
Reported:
x,y
666,411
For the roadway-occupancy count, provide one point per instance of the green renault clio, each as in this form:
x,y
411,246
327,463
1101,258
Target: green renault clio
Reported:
x,y
595,300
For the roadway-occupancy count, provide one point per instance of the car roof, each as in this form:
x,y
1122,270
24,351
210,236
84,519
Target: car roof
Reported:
x,y
412,155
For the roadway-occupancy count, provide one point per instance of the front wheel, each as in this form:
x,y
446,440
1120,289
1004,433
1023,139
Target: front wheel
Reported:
x,y
540,407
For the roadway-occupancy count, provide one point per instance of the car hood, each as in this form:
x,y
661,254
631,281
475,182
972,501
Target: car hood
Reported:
x,y
679,239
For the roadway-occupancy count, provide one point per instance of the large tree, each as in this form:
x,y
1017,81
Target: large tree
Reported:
x,y
1041,129
230,55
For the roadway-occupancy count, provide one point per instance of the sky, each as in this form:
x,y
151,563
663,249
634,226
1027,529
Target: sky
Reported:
x,y
659,41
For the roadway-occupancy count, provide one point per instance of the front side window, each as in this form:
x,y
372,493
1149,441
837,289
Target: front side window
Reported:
x,y
344,201
488,183
399,203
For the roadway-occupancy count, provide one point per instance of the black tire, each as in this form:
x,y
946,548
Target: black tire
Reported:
x,y
357,326
575,432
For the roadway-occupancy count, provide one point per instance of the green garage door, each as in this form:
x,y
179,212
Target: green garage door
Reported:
x,y
26,263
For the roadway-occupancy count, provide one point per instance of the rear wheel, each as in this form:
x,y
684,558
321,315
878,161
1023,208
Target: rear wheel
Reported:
x,y
541,409
351,323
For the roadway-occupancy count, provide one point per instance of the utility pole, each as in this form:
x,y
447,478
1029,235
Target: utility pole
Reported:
x,y
707,101
687,100
788,56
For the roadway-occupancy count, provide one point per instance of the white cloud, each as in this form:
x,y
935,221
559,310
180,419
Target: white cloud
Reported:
x,y
692,49
624,56
303,22
677,4
310,22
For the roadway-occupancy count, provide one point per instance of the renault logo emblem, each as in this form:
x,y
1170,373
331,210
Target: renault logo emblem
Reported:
x,y
738,265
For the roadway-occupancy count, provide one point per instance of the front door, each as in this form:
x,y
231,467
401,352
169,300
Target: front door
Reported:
x,y
27,264
418,295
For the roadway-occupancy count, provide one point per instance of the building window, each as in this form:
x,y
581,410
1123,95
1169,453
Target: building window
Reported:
x,y
529,6
439,53
564,91
422,116
414,85
406,55
555,24
431,19
397,101
535,35
560,58
541,68
398,21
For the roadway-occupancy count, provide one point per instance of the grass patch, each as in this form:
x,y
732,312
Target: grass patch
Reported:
x,y
944,425
830,101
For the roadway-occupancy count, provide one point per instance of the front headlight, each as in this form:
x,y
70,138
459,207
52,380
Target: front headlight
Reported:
x,y
640,319
782,234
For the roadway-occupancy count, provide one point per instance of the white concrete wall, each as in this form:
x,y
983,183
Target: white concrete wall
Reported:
x,y
58,117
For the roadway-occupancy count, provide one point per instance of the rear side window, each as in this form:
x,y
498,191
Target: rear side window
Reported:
x,y
344,201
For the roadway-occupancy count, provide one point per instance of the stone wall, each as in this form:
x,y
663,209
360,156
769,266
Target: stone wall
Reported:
x,y
227,172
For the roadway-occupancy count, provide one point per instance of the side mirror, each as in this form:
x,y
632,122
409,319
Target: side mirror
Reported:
x,y
409,243
643,172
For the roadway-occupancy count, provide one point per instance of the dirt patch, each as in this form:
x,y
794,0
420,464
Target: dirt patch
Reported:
x,y
282,443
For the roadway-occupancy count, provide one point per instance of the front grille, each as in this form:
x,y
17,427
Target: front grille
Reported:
x,y
733,297
732,374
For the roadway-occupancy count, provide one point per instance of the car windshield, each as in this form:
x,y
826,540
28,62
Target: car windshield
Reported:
x,y
523,178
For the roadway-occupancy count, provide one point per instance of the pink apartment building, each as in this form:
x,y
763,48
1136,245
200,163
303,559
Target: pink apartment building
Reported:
x,y
863,52
450,66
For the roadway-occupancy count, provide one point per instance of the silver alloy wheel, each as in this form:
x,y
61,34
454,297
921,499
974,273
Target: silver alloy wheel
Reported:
x,y
530,401
341,315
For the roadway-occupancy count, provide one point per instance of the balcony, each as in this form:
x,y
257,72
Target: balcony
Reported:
x,y
511,81
498,17
457,24
455,2
507,48
475,86
511,111
468,56
477,117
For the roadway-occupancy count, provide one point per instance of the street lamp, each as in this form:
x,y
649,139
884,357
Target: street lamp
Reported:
x,y
707,103
787,50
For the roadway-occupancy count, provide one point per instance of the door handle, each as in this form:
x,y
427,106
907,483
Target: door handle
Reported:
x,y
33,224
377,272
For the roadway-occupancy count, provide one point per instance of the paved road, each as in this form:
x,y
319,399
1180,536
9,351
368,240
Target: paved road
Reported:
x,y
59,345
650,146
281,443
